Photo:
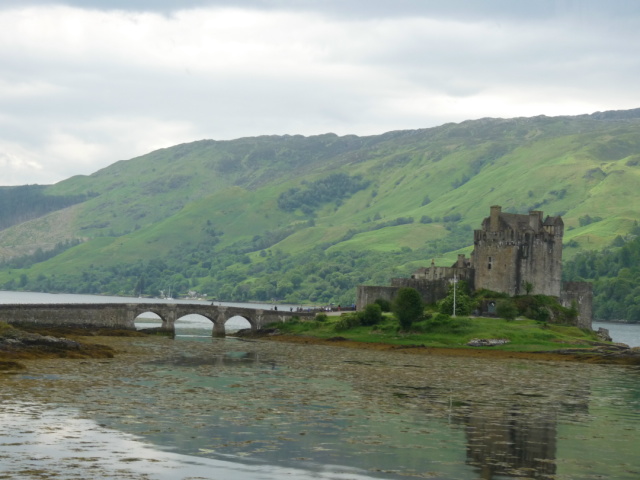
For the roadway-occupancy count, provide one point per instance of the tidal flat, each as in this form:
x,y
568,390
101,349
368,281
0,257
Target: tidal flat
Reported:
x,y
197,407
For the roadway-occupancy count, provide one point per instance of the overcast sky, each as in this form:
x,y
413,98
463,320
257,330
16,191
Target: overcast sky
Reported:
x,y
84,84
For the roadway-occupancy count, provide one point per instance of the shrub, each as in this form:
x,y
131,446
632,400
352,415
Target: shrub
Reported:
x,y
408,307
569,315
347,322
444,324
388,328
506,309
541,314
441,318
543,308
314,325
321,317
5,326
372,314
385,305
490,294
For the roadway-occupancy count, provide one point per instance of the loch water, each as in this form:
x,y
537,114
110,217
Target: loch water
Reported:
x,y
197,407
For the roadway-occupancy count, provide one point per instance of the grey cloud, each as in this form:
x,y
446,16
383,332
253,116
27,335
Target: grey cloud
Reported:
x,y
455,9
399,76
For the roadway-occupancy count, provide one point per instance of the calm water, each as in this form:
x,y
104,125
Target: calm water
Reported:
x,y
198,407
628,333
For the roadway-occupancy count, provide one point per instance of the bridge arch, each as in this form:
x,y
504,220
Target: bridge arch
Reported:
x,y
195,322
238,322
147,319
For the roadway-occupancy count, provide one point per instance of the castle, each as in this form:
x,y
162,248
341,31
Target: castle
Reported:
x,y
513,253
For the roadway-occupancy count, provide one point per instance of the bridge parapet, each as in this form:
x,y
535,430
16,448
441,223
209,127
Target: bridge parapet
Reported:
x,y
121,316
76,315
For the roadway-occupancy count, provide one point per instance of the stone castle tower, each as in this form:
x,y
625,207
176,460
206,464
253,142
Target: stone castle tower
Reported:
x,y
513,252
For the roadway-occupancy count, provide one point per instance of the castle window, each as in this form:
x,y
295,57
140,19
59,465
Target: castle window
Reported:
x,y
526,246
490,261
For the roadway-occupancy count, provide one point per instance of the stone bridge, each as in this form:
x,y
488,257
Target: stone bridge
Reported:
x,y
122,315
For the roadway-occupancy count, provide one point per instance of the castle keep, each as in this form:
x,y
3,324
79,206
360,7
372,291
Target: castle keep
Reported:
x,y
513,253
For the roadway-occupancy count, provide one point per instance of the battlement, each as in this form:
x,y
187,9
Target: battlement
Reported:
x,y
514,253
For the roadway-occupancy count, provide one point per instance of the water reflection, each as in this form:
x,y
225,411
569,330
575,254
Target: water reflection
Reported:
x,y
520,438
511,442
42,443
369,414
223,360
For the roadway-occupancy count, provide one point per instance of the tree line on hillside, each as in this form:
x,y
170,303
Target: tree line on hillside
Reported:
x,y
26,202
320,276
311,195
40,255
615,273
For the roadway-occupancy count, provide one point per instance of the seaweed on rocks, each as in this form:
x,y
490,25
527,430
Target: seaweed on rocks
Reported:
x,y
18,344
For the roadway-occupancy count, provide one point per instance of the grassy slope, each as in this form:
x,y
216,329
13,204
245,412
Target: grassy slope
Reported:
x,y
149,205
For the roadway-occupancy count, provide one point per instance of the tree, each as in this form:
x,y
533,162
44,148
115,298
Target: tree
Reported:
x,y
140,286
408,307
372,314
463,302
528,287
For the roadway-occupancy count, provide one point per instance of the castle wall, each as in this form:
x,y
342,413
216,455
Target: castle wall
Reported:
x,y
580,294
434,273
366,294
506,260
431,291
494,256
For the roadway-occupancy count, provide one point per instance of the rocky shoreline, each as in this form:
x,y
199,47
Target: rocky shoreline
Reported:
x,y
18,344
598,353
21,344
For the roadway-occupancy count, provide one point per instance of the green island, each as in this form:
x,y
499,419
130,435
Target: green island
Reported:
x,y
526,337
418,328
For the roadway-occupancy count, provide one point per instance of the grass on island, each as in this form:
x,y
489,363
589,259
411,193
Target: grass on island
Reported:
x,y
442,331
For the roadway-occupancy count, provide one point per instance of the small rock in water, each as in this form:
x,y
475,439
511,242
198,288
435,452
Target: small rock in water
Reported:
x,y
603,334
487,342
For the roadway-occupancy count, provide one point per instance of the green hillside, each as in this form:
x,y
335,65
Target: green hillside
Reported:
x,y
308,218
